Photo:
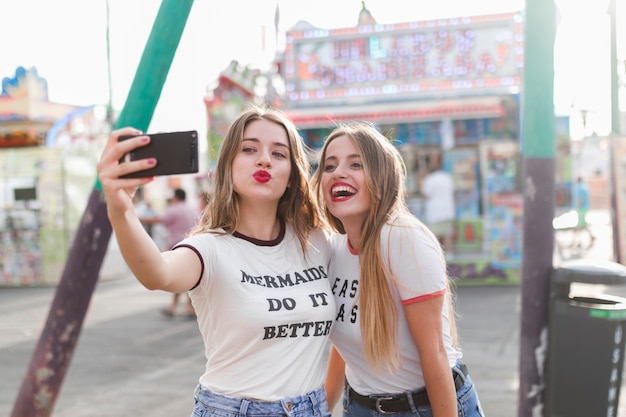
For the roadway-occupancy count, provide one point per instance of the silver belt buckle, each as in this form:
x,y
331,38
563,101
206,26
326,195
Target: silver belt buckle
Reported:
x,y
378,405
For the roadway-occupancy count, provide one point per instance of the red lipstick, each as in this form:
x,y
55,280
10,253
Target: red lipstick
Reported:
x,y
342,191
262,176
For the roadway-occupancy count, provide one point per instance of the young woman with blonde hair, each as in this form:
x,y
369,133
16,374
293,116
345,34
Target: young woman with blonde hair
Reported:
x,y
394,336
255,268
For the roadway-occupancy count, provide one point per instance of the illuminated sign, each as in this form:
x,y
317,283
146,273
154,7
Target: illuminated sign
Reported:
x,y
424,58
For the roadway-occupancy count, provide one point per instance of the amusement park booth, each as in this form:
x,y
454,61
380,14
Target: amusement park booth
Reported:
x,y
48,153
445,89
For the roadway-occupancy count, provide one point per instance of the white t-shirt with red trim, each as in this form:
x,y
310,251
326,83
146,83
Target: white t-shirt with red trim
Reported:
x,y
265,314
413,257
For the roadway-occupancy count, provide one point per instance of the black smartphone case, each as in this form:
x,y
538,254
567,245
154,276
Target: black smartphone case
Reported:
x,y
175,152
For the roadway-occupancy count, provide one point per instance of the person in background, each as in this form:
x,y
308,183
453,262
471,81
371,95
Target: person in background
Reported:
x,y
439,210
144,209
581,199
394,337
179,217
255,267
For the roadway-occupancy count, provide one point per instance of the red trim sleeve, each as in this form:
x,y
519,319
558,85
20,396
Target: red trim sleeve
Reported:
x,y
423,297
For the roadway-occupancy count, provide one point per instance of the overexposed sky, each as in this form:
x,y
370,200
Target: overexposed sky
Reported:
x,y
65,41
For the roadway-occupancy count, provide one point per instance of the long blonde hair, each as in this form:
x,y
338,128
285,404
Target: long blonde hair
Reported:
x,y
297,207
385,175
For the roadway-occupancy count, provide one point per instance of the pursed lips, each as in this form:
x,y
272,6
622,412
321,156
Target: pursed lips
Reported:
x,y
262,176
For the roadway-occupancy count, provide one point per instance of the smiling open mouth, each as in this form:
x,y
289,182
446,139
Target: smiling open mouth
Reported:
x,y
343,191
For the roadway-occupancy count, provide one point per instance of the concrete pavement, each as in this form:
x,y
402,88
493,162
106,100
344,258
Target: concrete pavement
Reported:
x,y
131,361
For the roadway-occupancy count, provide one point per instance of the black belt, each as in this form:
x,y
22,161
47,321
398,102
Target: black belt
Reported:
x,y
400,402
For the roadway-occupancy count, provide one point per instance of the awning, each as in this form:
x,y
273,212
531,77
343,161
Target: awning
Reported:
x,y
25,108
399,112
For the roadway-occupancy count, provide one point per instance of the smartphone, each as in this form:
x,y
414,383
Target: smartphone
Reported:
x,y
175,152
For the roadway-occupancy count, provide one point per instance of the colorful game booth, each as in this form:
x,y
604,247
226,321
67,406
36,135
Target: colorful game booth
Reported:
x,y
48,153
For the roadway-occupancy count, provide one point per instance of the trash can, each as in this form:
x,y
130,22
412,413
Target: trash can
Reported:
x,y
586,337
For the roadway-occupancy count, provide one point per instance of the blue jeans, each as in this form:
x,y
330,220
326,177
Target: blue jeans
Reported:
x,y
209,403
467,400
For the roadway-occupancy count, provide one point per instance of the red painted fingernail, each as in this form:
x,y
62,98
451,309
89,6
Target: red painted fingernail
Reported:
x,y
151,161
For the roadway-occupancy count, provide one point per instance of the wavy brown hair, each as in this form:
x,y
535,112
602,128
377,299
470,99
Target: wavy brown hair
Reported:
x,y
385,175
298,206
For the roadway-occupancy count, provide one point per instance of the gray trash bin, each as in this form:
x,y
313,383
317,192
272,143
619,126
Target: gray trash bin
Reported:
x,y
586,341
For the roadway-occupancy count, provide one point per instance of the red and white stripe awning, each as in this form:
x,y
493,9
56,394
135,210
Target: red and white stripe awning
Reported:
x,y
399,112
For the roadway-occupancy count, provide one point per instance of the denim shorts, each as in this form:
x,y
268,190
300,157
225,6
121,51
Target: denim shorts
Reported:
x,y
209,403
467,401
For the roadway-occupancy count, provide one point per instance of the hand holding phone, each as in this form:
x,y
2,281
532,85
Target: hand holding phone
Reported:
x,y
175,153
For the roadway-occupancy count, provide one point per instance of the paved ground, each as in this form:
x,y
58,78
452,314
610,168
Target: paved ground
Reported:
x,y
132,361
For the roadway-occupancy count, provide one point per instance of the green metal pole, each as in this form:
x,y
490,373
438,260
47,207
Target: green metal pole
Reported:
x,y
538,149
52,356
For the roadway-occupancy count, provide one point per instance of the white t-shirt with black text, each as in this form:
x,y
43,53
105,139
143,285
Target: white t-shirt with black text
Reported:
x,y
412,255
264,312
